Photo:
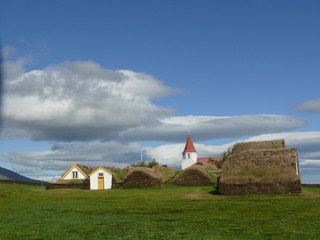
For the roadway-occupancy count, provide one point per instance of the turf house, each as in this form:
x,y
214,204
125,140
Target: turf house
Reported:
x,y
260,168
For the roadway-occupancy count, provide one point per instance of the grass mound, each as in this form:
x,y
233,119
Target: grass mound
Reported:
x,y
196,175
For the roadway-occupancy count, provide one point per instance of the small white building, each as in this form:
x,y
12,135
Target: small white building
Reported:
x,y
98,177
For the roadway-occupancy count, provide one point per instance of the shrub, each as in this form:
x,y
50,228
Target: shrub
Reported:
x,y
151,164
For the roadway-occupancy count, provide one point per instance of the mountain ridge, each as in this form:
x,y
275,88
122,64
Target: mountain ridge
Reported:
x,y
6,174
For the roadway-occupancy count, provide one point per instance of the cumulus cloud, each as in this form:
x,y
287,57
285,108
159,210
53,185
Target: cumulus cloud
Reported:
x,y
78,101
312,106
174,129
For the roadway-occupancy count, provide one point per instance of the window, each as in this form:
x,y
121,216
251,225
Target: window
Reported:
x,y
101,174
75,174
188,155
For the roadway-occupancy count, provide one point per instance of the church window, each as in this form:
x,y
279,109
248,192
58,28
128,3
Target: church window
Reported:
x,y
188,155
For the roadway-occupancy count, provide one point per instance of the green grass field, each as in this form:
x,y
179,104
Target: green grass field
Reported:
x,y
29,212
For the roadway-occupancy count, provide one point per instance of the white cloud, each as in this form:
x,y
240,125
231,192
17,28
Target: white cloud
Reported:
x,y
310,163
209,127
312,106
79,101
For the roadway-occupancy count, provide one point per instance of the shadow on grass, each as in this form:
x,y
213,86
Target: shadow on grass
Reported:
x,y
214,192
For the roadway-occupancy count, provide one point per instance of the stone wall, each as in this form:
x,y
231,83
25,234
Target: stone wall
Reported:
x,y
63,185
260,188
83,184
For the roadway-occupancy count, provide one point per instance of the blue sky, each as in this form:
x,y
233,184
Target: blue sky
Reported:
x,y
96,81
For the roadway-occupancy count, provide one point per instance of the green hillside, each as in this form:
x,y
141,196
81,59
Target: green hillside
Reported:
x,y
30,212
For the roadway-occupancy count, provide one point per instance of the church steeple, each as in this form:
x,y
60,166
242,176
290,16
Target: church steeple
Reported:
x,y
189,154
189,145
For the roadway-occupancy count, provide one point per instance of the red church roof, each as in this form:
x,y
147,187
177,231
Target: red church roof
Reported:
x,y
189,146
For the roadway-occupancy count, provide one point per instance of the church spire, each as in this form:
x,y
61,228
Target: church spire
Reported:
x,y
189,145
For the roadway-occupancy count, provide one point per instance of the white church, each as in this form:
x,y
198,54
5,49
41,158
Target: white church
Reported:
x,y
190,155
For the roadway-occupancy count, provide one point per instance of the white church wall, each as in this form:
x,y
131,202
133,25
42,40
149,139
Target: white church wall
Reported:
x,y
187,163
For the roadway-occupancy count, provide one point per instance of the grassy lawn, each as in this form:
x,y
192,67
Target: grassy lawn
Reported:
x,y
29,212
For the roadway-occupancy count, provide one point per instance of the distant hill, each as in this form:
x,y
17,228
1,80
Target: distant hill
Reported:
x,y
6,174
